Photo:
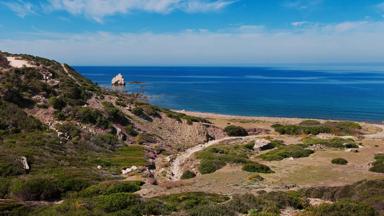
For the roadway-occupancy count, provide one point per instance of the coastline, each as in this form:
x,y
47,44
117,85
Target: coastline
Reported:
x,y
262,118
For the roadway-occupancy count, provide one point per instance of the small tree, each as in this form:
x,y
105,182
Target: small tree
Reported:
x,y
233,130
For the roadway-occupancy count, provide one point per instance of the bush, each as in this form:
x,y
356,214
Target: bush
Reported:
x,y
35,189
339,161
110,188
91,116
131,131
273,144
233,130
4,187
310,123
57,103
332,143
188,175
256,167
295,151
118,201
210,166
341,208
378,164
114,114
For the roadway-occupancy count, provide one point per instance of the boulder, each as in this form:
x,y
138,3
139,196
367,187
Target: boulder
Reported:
x,y
118,80
259,143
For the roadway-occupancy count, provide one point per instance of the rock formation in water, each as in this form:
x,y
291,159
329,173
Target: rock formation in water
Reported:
x,y
118,80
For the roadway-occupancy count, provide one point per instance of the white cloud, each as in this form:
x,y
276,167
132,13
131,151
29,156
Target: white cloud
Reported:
x,y
302,4
20,7
341,42
197,6
299,23
98,9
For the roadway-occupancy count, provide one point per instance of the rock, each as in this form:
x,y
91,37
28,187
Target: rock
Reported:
x,y
129,170
99,167
24,161
118,80
259,143
151,181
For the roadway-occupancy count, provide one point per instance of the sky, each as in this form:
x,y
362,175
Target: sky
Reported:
x,y
195,32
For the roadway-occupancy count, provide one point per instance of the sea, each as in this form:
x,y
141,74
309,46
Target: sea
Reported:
x,y
340,92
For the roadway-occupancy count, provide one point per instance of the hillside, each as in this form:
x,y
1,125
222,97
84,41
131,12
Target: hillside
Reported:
x,y
70,147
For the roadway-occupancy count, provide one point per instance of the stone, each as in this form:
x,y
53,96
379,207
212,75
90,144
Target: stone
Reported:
x,y
25,164
129,170
118,80
259,143
99,167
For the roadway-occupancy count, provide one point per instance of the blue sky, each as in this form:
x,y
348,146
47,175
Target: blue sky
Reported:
x,y
195,32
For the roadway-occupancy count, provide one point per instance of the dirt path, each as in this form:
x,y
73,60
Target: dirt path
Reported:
x,y
378,135
176,165
70,75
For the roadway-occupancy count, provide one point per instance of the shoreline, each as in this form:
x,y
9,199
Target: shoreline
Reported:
x,y
264,118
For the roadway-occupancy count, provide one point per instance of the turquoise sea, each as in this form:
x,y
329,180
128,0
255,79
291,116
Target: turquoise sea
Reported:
x,y
353,92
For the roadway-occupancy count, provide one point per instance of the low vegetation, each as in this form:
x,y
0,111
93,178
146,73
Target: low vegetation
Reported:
x,y
340,161
315,127
216,157
287,151
331,143
233,130
256,167
188,175
378,164
341,208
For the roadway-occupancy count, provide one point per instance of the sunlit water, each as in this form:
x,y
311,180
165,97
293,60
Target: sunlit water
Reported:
x,y
338,92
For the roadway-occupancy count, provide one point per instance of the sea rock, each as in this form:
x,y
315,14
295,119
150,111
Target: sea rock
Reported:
x,y
118,80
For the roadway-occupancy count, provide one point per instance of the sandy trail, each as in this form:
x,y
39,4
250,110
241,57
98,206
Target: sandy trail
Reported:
x,y
70,75
176,165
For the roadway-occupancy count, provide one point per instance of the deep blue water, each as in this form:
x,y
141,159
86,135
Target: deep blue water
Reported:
x,y
257,91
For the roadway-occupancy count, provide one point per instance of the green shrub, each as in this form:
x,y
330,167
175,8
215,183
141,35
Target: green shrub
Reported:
x,y
88,115
9,167
185,201
118,201
145,138
69,129
110,188
188,175
210,166
341,208
295,151
378,164
35,189
57,103
298,129
250,145
138,111
273,144
131,130
339,161
256,167
233,130
114,114
4,187
331,143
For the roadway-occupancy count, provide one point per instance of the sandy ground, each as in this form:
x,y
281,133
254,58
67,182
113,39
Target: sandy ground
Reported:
x,y
18,63
316,170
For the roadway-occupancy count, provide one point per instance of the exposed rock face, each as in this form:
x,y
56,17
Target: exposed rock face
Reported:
x,y
118,80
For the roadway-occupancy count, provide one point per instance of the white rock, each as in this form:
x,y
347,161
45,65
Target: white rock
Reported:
x,y
259,143
129,170
99,167
118,80
25,163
